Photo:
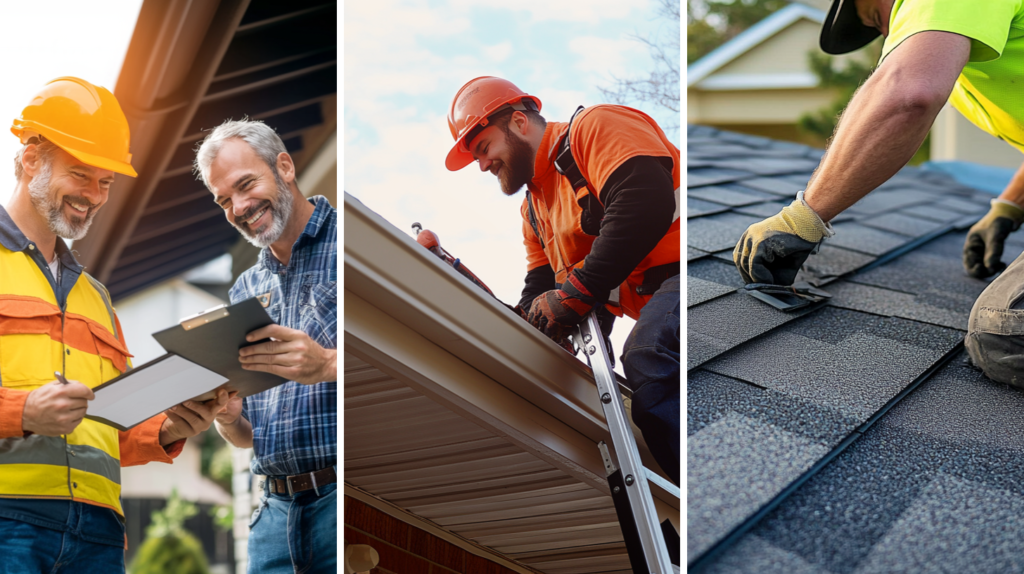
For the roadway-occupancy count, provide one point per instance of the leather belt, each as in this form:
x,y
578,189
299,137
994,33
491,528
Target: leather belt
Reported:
x,y
303,482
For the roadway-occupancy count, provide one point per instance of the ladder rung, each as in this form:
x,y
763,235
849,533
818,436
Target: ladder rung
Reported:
x,y
662,484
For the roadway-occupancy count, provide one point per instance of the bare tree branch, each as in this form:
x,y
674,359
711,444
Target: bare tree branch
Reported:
x,y
661,85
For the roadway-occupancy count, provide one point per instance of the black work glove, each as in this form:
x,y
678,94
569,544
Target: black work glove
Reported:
x,y
983,248
556,312
772,251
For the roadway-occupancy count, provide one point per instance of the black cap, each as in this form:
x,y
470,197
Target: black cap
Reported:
x,y
843,31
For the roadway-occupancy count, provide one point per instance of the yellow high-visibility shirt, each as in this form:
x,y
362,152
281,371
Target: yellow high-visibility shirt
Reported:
x,y
990,90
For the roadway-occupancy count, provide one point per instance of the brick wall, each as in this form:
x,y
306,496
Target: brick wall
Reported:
x,y
405,549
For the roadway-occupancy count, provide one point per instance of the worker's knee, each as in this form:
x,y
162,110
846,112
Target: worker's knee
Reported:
x,y
995,333
651,352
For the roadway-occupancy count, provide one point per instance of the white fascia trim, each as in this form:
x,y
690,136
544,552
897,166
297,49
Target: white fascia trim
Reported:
x,y
723,82
750,38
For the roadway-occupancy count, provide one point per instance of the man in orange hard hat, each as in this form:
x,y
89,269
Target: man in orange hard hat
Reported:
x,y
60,505
601,229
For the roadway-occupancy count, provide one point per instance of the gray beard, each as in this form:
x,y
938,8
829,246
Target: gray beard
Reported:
x,y
48,203
280,212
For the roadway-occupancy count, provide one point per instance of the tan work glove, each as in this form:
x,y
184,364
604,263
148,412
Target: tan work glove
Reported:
x,y
772,251
983,248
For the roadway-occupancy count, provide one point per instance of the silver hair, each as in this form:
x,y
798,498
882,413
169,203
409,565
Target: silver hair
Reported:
x,y
261,138
46,150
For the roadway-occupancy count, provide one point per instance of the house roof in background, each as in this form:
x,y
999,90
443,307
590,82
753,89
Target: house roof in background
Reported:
x,y
749,39
189,67
848,436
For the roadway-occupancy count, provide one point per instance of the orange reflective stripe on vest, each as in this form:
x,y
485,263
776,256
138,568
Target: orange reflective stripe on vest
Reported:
x,y
35,341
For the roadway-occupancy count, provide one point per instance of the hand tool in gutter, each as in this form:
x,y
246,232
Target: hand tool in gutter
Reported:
x,y
430,241
787,297
652,547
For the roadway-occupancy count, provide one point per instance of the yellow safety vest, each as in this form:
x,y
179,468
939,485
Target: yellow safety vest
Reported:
x,y
82,342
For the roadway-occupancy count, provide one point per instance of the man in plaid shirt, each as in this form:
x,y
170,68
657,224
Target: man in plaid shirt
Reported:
x,y
292,427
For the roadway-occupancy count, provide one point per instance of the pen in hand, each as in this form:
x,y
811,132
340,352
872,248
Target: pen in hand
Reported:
x,y
60,378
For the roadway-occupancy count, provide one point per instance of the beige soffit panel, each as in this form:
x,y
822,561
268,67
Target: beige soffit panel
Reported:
x,y
418,320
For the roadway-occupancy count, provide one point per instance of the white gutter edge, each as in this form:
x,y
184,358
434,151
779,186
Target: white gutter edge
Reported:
x,y
738,82
388,275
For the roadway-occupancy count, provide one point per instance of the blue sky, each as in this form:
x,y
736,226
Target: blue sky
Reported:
x,y
406,59
45,40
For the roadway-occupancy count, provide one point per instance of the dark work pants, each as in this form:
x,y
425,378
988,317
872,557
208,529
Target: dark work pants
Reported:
x,y
650,360
995,332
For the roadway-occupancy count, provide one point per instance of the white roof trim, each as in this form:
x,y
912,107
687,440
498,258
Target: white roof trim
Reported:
x,y
405,304
724,82
750,38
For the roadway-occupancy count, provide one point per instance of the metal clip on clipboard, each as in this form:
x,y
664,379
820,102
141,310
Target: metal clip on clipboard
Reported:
x,y
208,316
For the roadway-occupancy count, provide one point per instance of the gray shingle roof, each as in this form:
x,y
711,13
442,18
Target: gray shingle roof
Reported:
x,y
849,436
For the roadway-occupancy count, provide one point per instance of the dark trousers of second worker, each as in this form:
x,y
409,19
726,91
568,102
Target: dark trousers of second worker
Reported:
x,y
650,360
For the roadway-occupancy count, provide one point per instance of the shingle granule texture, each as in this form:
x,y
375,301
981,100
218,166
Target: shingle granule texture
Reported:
x,y
935,483
721,460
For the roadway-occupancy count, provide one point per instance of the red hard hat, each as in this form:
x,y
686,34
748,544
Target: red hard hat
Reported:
x,y
477,100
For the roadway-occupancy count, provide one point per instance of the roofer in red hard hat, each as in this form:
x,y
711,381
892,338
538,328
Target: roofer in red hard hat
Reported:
x,y
600,225
968,53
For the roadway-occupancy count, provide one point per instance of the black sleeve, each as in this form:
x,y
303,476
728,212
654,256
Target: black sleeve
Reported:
x,y
538,280
639,201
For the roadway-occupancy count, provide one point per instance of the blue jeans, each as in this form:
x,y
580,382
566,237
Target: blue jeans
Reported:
x,y
295,534
29,549
650,359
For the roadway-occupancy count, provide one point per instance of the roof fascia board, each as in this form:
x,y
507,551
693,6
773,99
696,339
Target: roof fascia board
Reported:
x,y
184,65
428,526
398,351
389,271
737,82
750,38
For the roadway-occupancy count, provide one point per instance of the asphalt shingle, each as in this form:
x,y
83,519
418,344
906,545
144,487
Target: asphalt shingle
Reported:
x,y
720,460
717,232
698,291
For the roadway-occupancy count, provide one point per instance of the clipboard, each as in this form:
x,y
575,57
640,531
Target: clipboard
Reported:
x,y
202,357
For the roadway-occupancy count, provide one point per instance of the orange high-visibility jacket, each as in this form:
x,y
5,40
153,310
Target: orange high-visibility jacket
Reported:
x,y
85,343
603,138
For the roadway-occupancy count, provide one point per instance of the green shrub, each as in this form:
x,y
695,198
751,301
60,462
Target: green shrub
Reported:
x,y
169,548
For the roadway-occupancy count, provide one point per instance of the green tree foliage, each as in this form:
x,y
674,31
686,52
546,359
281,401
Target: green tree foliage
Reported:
x,y
845,80
711,23
821,123
169,548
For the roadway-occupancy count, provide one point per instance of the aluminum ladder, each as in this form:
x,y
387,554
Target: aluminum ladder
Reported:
x,y
630,482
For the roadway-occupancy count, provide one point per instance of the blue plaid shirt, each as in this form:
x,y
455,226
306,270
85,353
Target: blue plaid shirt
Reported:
x,y
294,426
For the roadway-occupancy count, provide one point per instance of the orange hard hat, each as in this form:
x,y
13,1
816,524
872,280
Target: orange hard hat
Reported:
x,y
82,119
472,105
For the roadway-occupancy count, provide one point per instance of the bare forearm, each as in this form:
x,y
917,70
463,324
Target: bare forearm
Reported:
x,y
238,433
887,120
1015,190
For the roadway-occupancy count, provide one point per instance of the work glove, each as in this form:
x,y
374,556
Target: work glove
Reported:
x,y
983,248
556,312
772,251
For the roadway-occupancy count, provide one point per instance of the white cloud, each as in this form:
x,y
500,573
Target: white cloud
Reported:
x,y
590,11
604,56
498,52
399,81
